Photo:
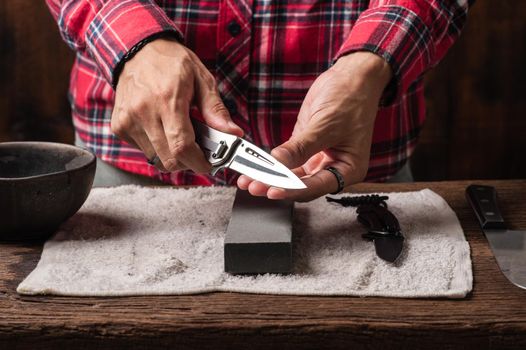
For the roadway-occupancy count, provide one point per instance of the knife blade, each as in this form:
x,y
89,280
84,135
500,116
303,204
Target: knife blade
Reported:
x,y
224,150
508,246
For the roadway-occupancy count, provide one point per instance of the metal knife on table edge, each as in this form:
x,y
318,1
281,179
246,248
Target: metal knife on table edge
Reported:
x,y
508,246
224,150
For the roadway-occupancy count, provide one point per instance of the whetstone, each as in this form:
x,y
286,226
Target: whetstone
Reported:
x,y
259,236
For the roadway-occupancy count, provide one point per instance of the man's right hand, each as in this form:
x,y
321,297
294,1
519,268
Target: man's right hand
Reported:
x,y
152,105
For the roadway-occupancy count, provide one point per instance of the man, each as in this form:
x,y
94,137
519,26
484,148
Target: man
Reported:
x,y
324,84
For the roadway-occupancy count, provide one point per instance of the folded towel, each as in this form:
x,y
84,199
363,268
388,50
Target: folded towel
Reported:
x,y
133,240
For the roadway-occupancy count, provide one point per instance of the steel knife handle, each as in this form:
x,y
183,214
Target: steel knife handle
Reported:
x,y
218,147
483,200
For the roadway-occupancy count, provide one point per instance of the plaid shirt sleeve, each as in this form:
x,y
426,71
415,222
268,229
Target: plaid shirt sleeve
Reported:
x,y
412,35
108,29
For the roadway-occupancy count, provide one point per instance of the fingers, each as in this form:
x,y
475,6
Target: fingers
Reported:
x,y
243,182
320,183
300,148
255,188
152,103
303,144
142,143
170,160
123,126
174,144
180,138
211,106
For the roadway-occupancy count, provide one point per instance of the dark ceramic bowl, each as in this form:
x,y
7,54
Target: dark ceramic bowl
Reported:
x,y
41,185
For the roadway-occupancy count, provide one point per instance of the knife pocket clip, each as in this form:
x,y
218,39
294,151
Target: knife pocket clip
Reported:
x,y
220,150
222,154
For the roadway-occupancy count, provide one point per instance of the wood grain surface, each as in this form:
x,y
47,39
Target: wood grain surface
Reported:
x,y
493,316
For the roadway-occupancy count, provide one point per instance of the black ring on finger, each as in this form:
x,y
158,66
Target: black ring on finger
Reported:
x,y
339,178
154,161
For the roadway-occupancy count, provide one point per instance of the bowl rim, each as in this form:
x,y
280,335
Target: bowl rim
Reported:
x,y
49,144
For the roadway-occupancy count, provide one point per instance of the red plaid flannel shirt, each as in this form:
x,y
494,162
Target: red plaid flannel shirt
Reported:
x,y
264,55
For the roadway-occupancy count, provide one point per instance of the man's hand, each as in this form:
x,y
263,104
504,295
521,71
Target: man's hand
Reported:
x,y
152,105
334,128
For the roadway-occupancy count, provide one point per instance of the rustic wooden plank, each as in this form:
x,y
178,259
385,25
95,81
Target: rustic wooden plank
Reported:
x,y
493,316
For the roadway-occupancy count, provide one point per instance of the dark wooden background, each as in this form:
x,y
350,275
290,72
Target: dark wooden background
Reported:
x,y
476,124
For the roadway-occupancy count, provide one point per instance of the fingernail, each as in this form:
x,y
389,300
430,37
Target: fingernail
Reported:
x,y
233,125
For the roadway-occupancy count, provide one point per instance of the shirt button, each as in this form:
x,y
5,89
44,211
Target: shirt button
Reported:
x,y
230,104
234,28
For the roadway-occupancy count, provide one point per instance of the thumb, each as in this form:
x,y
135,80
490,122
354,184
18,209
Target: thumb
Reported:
x,y
299,149
213,110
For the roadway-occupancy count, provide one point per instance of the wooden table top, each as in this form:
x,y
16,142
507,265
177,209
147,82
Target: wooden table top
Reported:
x,y
492,316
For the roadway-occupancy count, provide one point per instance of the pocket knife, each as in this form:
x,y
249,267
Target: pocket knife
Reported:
x,y
383,229
224,150
382,226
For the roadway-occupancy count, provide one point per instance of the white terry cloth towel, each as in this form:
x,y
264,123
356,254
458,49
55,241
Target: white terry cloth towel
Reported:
x,y
133,240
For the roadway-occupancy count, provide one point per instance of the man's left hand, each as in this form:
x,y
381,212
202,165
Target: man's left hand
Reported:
x,y
334,129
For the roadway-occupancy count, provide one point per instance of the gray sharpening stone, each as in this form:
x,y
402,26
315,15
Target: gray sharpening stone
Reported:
x,y
259,236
